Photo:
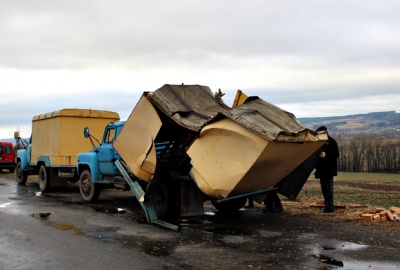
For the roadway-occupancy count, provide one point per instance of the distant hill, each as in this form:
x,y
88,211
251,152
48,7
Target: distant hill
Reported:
x,y
383,124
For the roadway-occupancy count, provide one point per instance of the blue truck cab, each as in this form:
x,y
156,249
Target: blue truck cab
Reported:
x,y
96,168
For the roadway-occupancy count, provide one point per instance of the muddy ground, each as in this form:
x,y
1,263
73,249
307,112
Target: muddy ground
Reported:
x,y
299,238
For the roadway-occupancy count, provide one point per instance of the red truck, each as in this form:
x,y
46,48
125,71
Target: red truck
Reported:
x,y
7,156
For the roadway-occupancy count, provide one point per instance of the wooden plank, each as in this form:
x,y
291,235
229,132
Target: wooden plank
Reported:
x,y
367,216
383,213
395,209
376,217
389,215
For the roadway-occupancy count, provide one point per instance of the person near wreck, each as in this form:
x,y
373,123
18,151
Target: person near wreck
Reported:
x,y
326,169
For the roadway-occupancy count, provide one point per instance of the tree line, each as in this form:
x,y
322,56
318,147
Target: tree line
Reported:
x,y
366,154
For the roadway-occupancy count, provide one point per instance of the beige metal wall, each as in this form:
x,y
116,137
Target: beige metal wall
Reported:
x,y
228,159
135,143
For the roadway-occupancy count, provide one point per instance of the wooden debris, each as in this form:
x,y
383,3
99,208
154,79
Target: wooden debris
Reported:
x,y
337,206
395,209
382,214
376,217
354,205
367,216
389,215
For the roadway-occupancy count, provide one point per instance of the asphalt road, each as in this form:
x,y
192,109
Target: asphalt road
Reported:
x,y
113,234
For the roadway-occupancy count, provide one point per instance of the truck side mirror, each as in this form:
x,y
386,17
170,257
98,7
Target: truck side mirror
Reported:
x,y
86,132
16,135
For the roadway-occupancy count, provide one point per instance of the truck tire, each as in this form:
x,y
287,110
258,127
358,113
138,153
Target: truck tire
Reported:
x,y
90,192
230,205
20,174
44,179
162,197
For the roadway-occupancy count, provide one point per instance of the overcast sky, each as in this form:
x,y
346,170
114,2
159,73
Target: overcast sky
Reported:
x,y
311,58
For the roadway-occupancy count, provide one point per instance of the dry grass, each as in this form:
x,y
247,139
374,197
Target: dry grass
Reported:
x,y
366,177
365,194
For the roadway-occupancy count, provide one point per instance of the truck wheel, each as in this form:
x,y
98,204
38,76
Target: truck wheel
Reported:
x,y
90,192
163,200
20,174
230,205
44,180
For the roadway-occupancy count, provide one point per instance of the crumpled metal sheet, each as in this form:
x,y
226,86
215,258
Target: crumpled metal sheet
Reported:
x,y
265,119
191,106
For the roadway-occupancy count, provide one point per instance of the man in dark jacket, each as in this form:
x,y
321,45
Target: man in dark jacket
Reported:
x,y
326,169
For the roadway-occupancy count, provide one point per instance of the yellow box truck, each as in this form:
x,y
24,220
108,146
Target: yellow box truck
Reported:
x,y
55,142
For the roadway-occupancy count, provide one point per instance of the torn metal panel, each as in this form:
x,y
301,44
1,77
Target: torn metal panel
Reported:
x,y
240,98
228,159
292,184
222,155
191,106
266,120
135,143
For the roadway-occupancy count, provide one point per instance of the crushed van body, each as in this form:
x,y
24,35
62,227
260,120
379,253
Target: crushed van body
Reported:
x,y
226,151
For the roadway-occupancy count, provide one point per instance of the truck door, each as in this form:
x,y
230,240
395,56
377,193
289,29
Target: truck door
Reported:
x,y
106,153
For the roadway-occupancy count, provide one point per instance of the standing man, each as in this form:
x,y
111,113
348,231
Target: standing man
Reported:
x,y
326,169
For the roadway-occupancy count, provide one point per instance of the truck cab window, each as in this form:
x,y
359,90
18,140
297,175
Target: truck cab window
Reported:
x,y
110,136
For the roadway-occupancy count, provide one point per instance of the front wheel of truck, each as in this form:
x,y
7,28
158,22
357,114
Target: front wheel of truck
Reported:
x,y
90,192
44,180
20,174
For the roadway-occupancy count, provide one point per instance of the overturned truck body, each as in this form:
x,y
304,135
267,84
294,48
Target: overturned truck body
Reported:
x,y
189,146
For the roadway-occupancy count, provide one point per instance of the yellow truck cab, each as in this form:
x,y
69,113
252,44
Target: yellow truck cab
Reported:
x,y
55,142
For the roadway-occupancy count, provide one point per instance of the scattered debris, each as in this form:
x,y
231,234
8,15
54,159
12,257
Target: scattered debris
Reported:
x,y
41,216
321,204
382,214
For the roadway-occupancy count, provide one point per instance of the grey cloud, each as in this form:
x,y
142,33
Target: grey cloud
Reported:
x,y
81,34
286,52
